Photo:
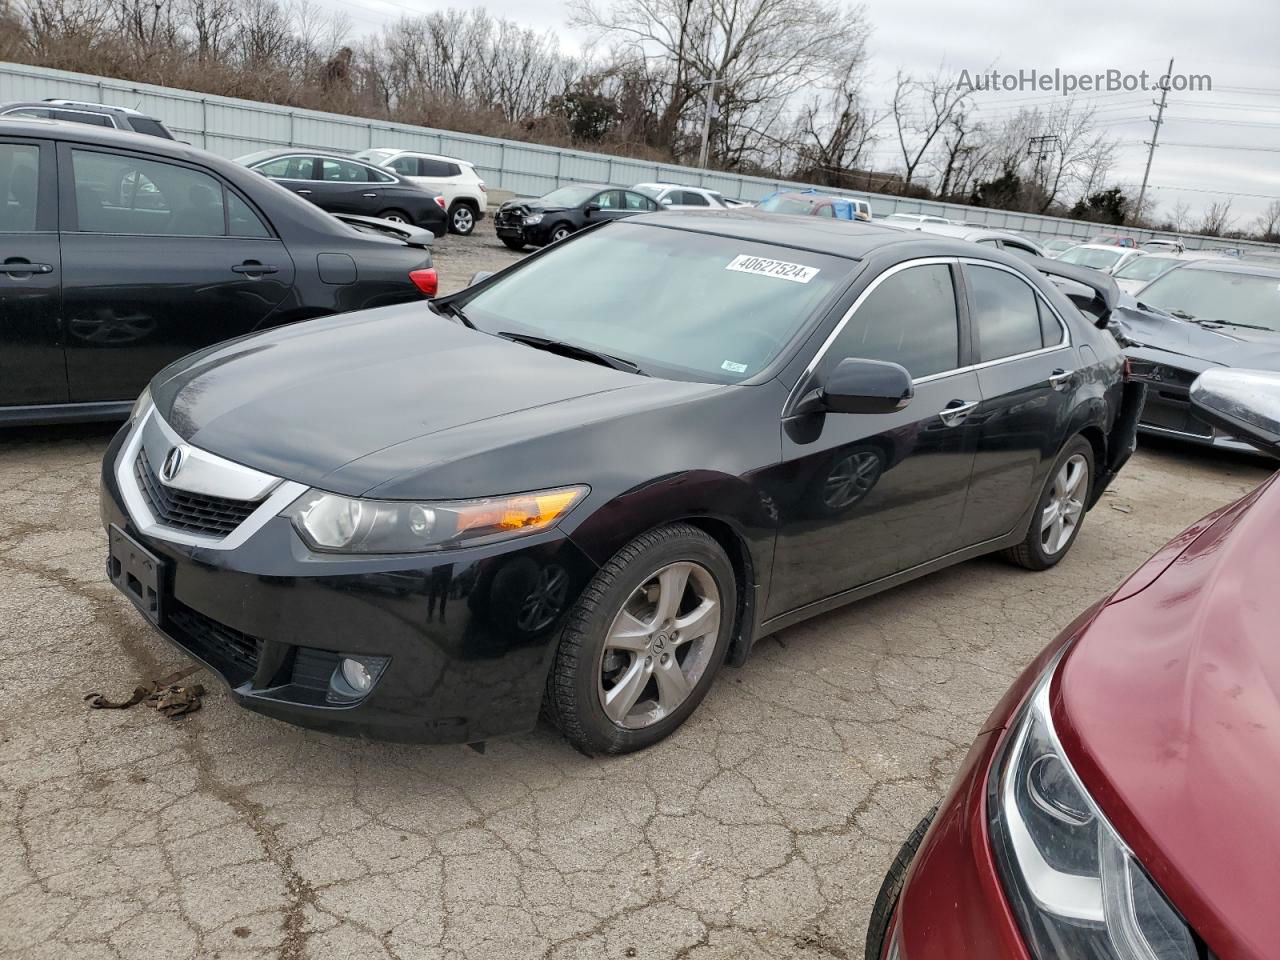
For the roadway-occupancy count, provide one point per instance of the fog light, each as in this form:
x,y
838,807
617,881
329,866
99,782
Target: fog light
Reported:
x,y
354,677
357,675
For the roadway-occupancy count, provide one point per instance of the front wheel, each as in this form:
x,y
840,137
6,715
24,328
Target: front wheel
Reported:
x,y
1060,509
642,644
560,231
891,890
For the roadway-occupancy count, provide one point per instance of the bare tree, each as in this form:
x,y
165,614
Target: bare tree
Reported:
x,y
1268,223
1217,218
921,110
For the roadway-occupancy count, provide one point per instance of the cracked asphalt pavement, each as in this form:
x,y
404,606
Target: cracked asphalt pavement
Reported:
x,y
761,829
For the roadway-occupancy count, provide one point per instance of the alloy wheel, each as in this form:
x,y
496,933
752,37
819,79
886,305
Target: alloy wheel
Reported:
x,y
1061,515
659,645
463,220
394,218
559,234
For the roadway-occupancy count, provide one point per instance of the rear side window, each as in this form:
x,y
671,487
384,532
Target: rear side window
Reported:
x,y
910,318
151,128
1006,313
341,171
690,199
242,221
438,168
127,195
80,116
19,187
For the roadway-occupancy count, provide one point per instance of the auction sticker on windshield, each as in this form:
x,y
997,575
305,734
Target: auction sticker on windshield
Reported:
x,y
764,267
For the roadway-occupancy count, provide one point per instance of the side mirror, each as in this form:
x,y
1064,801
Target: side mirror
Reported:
x,y
866,386
480,276
1243,403
666,201
591,208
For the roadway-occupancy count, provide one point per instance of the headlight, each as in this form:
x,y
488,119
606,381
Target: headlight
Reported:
x,y
533,219
141,405
335,524
1075,887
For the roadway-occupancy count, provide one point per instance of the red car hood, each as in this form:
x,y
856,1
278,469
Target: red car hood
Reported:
x,y
1169,708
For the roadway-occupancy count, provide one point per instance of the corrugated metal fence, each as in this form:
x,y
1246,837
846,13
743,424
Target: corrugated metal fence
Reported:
x,y
233,127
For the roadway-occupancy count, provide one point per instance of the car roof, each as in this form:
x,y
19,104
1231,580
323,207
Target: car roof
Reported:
x,y
394,151
81,104
843,238
1107,246
101,136
974,233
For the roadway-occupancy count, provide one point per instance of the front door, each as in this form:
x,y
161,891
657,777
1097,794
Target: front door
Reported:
x,y
345,187
160,258
32,370
866,496
1027,375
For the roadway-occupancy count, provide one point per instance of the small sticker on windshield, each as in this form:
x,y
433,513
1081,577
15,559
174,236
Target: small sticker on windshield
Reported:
x,y
764,267
733,367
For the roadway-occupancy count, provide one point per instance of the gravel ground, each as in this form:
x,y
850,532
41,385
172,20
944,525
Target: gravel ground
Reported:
x,y
760,830
457,258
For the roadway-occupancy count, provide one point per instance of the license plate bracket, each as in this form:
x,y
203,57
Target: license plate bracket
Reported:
x,y
137,573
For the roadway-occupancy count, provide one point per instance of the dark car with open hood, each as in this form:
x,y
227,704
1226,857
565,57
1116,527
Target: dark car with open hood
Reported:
x,y
432,525
1205,315
525,222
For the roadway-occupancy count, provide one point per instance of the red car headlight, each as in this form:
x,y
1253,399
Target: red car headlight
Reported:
x,y
1076,888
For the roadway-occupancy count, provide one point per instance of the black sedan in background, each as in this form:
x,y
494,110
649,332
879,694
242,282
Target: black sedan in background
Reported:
x,y
1205,314
433,527
525,222
346,185
121,252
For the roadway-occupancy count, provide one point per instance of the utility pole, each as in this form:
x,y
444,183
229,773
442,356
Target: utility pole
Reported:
x,y
1155,135
706,119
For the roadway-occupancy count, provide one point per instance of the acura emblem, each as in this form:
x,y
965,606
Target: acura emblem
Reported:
x,y
173,463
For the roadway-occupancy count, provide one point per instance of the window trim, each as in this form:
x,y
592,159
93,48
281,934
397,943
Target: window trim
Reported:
x,y
1065,343
47,200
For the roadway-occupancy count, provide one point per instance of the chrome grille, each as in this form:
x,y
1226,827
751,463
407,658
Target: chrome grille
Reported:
x,y
184,510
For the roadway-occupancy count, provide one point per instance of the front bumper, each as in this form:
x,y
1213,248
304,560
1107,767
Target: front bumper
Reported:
x,y
469,633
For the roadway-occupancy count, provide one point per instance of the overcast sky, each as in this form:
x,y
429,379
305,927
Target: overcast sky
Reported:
x,y
1233,41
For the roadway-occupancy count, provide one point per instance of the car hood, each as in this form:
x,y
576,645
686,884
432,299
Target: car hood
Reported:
x,y
530,206
1225,345
1170,710
380,397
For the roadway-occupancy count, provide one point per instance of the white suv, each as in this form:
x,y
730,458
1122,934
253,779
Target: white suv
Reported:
x,y
464,192
672,196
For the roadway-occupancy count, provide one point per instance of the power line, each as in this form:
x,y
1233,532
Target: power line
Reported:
x,y
1223,193
1223,146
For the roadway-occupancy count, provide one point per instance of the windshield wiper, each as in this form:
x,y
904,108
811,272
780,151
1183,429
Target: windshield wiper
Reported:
x,y
1235,323
573,350
1182,314
454,311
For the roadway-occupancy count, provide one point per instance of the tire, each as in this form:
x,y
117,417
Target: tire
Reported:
x,y
559,232
462,219
396,216
656,678
511,244
1044,548
887,899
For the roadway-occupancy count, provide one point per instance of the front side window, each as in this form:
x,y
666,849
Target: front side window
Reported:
x,y
342,171
611,200
910,318
825,210
288,168
405,166
724,308
128,195
636,201
1006,313
19,187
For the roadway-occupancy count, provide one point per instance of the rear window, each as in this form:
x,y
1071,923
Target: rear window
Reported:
x,y
151,128
723,310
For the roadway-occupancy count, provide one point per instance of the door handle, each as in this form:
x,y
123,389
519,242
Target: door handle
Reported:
x,y
253,269
1061,379
955,412
371,196
305,193
17,266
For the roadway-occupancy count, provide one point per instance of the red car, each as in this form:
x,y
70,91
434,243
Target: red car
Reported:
x,y
1120,803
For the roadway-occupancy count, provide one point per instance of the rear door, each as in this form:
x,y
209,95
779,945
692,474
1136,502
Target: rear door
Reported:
x,y
160,258
1027,377
32,369
346,187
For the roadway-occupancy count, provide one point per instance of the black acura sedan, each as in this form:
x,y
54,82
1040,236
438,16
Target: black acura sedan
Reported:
x,y
121,252
431,527
525,222
347,185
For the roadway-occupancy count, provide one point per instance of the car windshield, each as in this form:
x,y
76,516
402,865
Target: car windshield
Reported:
x,y
249,159
375,156
568,196
720,311
1145,268
1091,257
784,205
1218,295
